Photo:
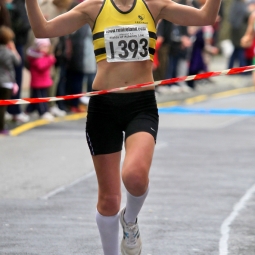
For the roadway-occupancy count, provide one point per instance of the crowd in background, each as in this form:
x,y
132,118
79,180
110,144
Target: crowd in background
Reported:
x,y
182,51
66,65
57,66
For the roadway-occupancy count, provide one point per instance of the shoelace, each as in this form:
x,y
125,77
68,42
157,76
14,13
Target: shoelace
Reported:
x,y
132,234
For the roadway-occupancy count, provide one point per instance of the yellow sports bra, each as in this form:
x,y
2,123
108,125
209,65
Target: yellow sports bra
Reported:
x,y
124,36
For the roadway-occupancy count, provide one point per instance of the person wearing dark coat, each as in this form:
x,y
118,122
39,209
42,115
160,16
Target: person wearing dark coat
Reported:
x,y
75,68
20,26
5,19
238,18
174,35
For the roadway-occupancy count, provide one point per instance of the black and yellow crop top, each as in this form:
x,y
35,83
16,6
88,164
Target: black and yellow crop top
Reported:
x,y
124,36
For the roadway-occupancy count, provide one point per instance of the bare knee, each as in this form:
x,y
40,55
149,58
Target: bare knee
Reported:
x,y
108,205
136,179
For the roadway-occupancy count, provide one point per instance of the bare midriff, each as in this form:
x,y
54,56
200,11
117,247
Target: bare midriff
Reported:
x,y
122,74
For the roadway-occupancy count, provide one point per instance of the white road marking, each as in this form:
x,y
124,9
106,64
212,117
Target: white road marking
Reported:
x,y
225,227
63,188
87,176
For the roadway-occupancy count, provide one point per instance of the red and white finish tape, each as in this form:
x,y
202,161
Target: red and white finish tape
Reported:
x,y
236,70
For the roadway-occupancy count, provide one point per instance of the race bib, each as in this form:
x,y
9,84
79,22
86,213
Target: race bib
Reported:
x,y
127,43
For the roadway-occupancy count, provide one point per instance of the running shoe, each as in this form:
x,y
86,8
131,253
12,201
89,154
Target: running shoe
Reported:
x,y
7,116
55,111
165,90
131,243
22,117
47,116
85,100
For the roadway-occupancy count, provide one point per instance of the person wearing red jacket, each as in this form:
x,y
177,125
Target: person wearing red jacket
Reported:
x,y
40,63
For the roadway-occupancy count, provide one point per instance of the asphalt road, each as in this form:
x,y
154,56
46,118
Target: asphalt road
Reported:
x,y
202,186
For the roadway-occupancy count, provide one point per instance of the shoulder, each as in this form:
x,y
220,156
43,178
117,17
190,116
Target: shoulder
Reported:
x,y
5,52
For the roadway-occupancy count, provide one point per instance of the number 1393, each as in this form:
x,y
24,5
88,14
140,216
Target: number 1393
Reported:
x,y
130,47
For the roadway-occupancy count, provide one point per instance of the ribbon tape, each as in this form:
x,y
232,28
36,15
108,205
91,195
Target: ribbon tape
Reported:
x,y
236,70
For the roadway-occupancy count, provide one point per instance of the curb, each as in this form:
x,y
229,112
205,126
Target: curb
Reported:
x,y
37,123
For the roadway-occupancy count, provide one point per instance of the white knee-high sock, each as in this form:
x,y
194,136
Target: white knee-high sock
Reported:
x,y
108,227
133,206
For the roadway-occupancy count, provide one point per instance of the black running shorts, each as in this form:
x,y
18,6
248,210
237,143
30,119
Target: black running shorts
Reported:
x,y
111,115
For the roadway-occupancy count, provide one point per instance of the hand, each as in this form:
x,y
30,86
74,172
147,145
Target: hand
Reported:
x,y
211,49
246,41
15,89
11,46
215,50
186,42
218,19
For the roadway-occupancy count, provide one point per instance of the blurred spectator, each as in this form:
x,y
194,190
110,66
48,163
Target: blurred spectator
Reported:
x,y
50,10
161,53
90,66
61,57
177,39
9,57
202,48
75,67
20,25
202,37
69,49
248,40
74,54
249,53
178,42
217,25
249,50
40,62
4,15
238,16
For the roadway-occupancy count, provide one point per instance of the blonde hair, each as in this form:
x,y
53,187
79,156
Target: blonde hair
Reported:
x,y
6,35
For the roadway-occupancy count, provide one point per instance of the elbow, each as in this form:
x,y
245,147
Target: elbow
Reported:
x,y
208,18
209,21
39,34
40,31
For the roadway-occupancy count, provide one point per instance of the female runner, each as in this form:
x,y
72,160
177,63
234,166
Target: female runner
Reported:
x,y
124,35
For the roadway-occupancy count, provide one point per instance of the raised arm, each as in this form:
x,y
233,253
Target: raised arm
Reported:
x,y
63,24
189,16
